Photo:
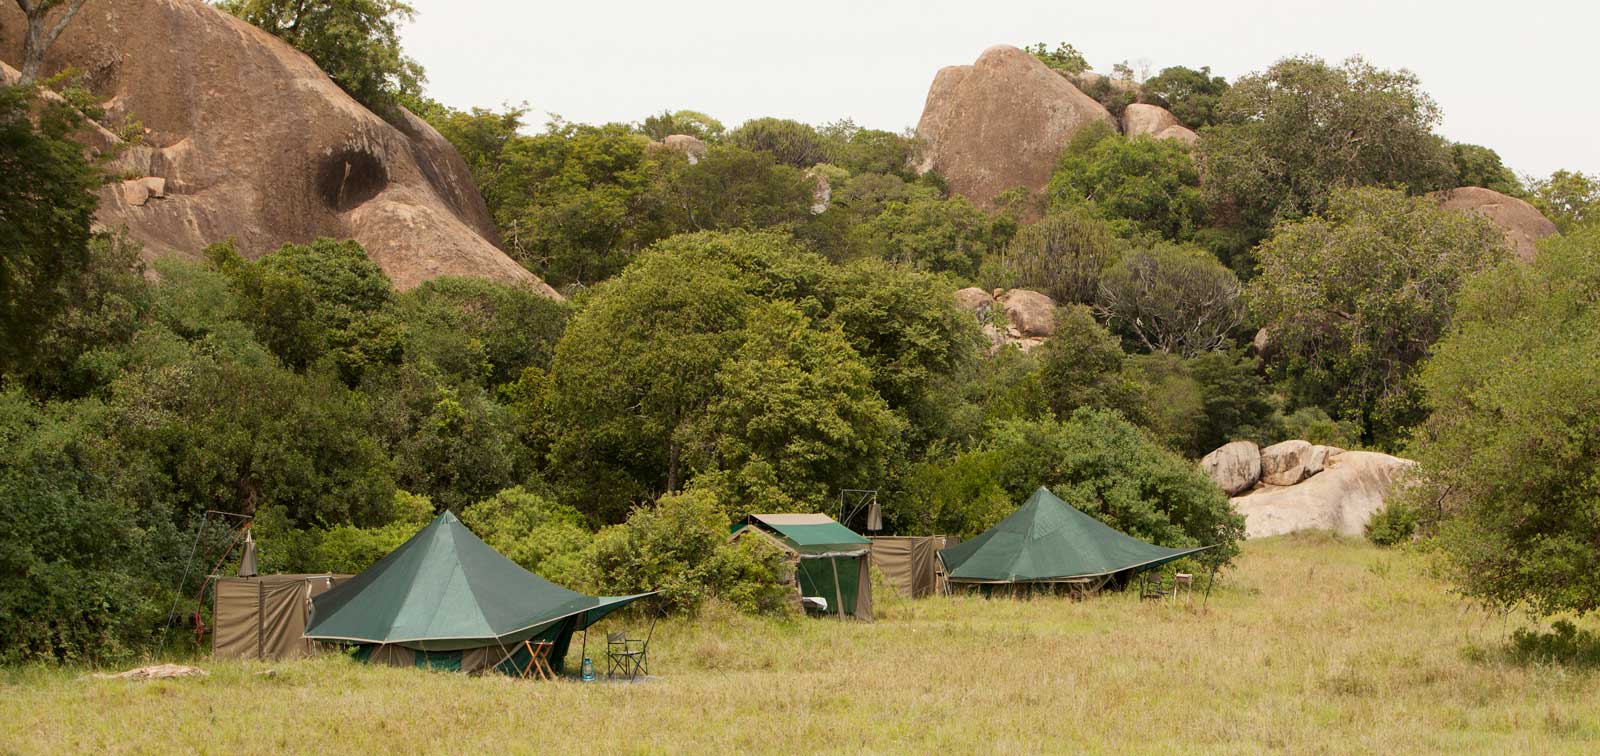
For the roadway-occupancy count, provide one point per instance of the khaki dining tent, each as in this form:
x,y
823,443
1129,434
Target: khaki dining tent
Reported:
x,y
1048,541
447,600
831,561
264,617
911,563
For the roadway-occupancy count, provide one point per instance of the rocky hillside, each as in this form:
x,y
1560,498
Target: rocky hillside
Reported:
x,y
244,137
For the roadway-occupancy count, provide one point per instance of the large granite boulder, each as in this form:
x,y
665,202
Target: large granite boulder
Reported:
x,y
690,146
1234,467
1032,314
1001,123
1156,121
1343,497
251,141
1521,222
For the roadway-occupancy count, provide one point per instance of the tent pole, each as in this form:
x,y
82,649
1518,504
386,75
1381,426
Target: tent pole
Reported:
x,y
838,594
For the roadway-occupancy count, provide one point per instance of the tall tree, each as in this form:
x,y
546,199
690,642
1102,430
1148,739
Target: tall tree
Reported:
x,y
45,217
1354,299
1509,455
41,33
1288,137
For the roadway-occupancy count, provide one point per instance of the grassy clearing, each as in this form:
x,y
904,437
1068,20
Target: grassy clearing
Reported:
x,y
1314,645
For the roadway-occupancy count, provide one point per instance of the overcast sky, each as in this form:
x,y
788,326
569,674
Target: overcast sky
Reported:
x,y
1517,77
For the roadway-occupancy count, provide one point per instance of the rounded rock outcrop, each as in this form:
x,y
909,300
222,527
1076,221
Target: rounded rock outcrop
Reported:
x,y
1234,467
251,141
1522,223
1000,123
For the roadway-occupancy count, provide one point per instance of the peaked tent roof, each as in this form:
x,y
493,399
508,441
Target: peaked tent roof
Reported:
x,y
1049,539
444,590
807,533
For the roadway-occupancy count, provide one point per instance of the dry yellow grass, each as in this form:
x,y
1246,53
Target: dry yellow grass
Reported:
x,y
1313,646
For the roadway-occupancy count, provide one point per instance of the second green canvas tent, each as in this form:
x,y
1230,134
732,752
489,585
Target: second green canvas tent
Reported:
x,y
831,561
1049,541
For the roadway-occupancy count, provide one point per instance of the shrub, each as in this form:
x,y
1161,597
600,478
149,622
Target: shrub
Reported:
x,y
789,142
679,546
1063,255
1396,523
544,537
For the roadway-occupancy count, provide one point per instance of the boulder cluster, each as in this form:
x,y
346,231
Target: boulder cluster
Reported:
x,y
1029,317
1002,121
1297,485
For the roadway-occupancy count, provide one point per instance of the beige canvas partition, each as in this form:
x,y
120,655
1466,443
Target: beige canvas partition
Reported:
x,y
265,617
911,563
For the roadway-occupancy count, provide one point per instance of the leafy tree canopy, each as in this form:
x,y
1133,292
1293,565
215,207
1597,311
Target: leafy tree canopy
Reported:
x,y
356,42
1354,300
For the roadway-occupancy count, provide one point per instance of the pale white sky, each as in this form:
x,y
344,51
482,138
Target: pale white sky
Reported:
x,y
1517,77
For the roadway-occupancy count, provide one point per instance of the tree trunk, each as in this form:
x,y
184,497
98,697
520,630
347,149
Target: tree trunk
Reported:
x,y
40,34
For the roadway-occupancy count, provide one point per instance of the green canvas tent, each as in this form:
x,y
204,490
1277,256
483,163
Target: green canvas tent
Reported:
x,y
444,599
1048,541
831,561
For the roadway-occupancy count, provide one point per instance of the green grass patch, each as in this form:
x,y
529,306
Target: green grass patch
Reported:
x,y
1312,644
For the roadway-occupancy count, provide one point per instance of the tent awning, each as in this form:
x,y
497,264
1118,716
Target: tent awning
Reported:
x,y
1049,540
445,589
812,534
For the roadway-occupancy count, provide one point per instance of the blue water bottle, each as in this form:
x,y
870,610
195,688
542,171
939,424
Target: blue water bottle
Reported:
x,y
588,669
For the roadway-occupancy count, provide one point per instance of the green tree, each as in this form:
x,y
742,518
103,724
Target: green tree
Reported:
x,y
1289,137
794,417
1064,59
44,218
1140,185
1063,255
789,142
1567,197
862,151
679,546
481,330
448,439
690,122
1082,366
1508,457
307,301
1481,166
540,535
577,202
637,366
1170,298
1191,96
481,136
938,235
80,566
734,188
1355,299
356,42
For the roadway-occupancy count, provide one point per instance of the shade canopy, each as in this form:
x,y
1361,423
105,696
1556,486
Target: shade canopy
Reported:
x,y
445,589
1047,539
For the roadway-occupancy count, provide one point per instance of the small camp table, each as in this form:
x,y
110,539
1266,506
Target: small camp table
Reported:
x,y
538,660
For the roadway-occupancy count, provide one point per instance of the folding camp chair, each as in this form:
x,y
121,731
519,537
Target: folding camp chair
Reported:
x,y
628,654
1154,585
